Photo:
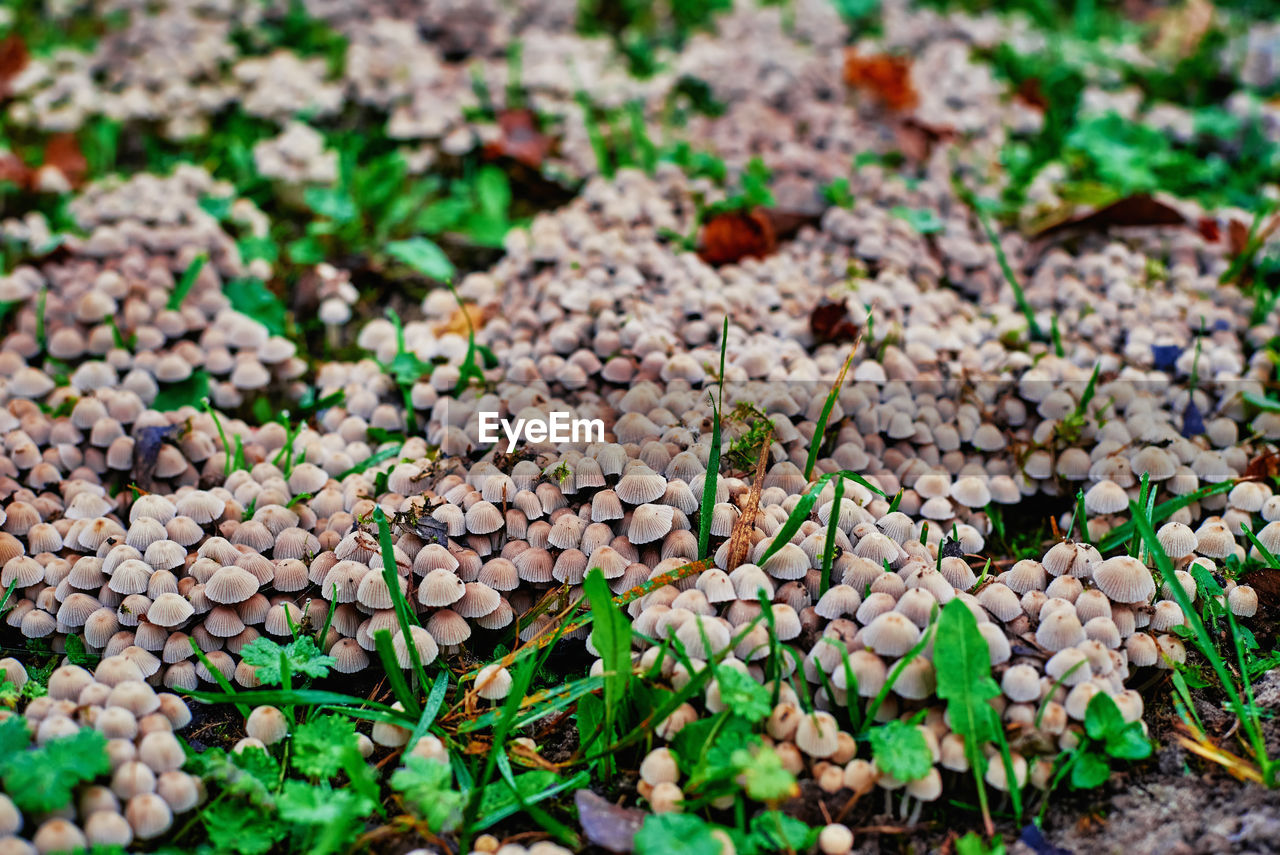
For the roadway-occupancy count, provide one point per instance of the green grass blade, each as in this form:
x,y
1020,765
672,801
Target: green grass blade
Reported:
x,y
405,615
805,506
829,545
184,284
435,700
395,675
222,681
1199,632
712,476
1121,533
611,633
1262,550
820,428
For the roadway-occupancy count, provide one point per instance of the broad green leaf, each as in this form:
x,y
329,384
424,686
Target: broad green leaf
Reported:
x,y
186,393
424,256
320,745
611,634
41,780
1089,771
1102,717
675,834
233,828
427,786
249,296
764,777
332,202
774,831
303,656
900,750
742,695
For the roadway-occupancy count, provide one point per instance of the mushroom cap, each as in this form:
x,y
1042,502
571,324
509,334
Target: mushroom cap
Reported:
x,y
1124,579
266,724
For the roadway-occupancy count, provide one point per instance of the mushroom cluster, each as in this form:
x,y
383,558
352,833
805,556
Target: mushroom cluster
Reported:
x,y
147,787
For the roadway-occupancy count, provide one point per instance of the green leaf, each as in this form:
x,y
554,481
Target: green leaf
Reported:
x,y
972,844
186,282
900,749
763,776
963,664
1129,743
675,834
499,798
742,695
303,656
249,296
923,220
1102,717
259,765
14,738
611,634
774,831
427,786
332,202
41,780
1089,771
424,256
493,192
186,393
320,745
232,828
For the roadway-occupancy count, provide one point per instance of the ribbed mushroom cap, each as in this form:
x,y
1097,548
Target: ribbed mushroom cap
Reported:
x,y
971,491
839,600
107,828
703,636
1155,462
817,735
449,628
789,562
1026,575
1215,540
170,610
1059,630
650,522
21,571
179,790
1106,497
427,646
1021,684
267,724
373,592
1070,665
493,682
442,588
1124,579
231,585
349,655
484,517
58,835
1243,601
149,816
161,752
640,485
890,634
1176,539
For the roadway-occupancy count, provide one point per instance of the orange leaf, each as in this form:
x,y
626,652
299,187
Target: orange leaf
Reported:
x,y
885,76
521,139
13,58
829,321
63,152
13,169
729,237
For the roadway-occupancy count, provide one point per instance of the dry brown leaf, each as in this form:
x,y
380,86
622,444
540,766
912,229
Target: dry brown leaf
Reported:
x,y
883,75
13,58
740,539
457,323
729,237
521,139
1180,31
62,152
1141,209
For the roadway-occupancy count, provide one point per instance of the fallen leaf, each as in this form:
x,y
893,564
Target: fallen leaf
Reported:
x,y
885,76
1209,229
457,322
1030,93
521,139
1182,29
12,169
62,152
1140,209
607,825
916,139
13,58
1237,237
830,322
731,236
1264,467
